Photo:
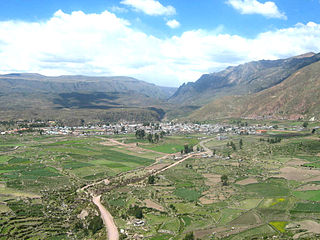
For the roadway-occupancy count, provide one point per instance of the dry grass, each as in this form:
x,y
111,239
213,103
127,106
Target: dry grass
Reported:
x,y
247,181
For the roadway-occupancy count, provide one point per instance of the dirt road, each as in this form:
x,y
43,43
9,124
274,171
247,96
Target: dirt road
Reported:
x,y
111,227
107,218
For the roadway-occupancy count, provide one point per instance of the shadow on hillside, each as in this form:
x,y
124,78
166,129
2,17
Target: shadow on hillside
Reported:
x,y
95,100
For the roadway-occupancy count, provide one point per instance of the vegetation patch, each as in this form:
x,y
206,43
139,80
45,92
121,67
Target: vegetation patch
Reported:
x,y
307,195
280,226
187,194
312,207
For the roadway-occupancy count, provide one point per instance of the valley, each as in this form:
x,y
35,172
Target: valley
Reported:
x,y
218,185
234,155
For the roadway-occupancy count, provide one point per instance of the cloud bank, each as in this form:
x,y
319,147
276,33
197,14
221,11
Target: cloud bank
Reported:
x,y
267,9
104,44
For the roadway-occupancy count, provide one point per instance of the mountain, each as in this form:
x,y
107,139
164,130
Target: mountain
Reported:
x,y
244,79
29,96
28,82
296,97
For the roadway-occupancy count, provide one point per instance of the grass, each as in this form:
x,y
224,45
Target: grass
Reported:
x,y
172,144
54,168
280,226
307,195
269,189
311,207
187,194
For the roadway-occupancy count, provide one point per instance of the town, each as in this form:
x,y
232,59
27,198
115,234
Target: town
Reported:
x,y
168,128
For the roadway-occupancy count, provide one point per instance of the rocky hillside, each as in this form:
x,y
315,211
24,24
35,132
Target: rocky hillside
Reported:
x,y
28,82
244,79
296,97
30,96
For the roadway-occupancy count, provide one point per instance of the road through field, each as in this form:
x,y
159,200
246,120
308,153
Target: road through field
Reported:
x,y
111,227
107,218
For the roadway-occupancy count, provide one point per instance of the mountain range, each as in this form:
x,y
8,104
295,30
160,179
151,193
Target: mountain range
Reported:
x,y
281,89
32,96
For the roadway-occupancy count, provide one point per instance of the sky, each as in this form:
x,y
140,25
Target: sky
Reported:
x,y
166,42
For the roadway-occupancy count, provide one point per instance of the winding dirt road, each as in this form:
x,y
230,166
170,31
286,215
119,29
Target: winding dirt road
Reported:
x,y
111,227
107,218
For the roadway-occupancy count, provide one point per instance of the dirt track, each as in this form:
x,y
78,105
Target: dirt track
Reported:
x,y
111,227
107,218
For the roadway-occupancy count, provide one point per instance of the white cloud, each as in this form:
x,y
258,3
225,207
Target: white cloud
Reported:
x,y
104,44
117,9
150,7
267,9
173,23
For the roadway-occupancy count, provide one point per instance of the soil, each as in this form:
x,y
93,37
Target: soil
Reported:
x,y
151,204
309,187
247,181
157,166
212,179
298,174
307,227
111,228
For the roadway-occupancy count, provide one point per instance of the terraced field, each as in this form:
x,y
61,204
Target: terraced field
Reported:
x,y
270,189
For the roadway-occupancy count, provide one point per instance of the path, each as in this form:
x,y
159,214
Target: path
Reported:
x,y
107,218
111,227
204,146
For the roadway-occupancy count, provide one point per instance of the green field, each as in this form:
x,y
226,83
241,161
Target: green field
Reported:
x,y
41,175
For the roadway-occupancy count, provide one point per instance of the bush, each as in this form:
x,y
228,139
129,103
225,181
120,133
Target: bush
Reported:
x,y
189,236
95,224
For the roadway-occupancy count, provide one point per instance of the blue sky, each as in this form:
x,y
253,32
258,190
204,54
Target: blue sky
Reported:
x,y
166,42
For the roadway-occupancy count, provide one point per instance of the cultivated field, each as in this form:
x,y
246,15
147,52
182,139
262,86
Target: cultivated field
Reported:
x,y
270,188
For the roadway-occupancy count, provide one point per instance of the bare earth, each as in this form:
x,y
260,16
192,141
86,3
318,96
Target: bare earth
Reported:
x,y
296,162
247,181
157,166
308,227
212,179
151,204
298,174
309,187
111,227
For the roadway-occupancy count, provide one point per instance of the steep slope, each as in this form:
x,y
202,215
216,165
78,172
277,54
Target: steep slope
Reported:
x,y
243,79
38,83
30,96
296,97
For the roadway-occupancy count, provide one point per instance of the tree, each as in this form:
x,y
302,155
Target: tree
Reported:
x,y
233,146
151,179
150,138
186,149
162,133
140,134
95,224
135,211
305,124
241,143
189,236
123,129
224,180
156,137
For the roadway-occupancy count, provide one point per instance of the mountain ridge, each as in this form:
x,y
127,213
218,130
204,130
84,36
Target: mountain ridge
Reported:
x,y
242,79
297,97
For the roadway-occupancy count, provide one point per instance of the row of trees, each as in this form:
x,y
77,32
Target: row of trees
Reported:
x,y
187,149
231,144
272,140
152,138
